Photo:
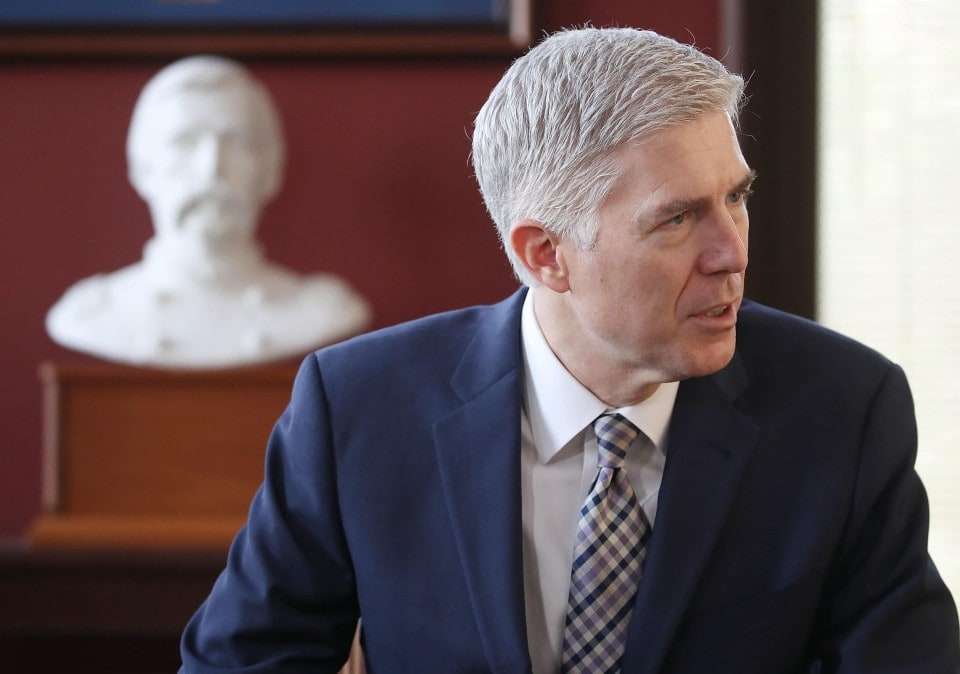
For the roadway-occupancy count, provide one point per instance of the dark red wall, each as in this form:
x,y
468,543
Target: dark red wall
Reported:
x,y
378,190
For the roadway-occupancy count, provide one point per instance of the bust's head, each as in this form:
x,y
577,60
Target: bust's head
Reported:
x,y
205,151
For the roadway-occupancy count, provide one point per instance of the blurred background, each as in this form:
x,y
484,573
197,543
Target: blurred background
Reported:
x,y
851,125
378,189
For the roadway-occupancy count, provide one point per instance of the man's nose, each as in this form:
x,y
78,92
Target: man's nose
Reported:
x,y
725,247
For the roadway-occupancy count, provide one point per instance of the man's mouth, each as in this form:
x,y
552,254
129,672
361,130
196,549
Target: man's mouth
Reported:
x,y
718,315
717,311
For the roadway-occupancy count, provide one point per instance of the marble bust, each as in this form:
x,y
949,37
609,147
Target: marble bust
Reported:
x,y
205,151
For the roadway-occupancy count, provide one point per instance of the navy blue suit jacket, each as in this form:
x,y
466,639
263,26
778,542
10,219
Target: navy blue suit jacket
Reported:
x,y
790,537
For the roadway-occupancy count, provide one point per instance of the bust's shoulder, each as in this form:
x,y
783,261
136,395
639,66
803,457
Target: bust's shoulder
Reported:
x,y
86,294
96,313
96,294
334,292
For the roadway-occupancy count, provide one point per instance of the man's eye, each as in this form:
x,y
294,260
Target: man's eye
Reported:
x,y
739,196
678,219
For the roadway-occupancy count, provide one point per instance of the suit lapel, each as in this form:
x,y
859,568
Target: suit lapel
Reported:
x,y
478,454
477,448
708,447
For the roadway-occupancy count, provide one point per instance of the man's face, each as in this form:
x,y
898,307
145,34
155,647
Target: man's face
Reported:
x,y
660,289
205,172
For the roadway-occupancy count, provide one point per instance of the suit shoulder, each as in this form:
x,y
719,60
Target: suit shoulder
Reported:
x,y
773,341
437,340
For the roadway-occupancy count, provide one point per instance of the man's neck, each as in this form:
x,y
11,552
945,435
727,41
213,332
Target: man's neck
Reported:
x,y
615,382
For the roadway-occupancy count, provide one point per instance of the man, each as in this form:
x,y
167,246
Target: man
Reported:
x,y
205,152
623,468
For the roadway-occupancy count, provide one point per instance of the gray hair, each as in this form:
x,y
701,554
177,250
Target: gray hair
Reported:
x,y
206,74
542,142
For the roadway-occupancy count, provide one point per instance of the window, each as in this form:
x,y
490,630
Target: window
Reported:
x,y
889,215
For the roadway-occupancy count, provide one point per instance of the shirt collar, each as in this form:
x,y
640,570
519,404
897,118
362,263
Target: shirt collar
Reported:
x,y
558,406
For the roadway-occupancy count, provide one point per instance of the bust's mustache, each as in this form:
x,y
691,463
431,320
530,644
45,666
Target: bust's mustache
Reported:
x,y
214,208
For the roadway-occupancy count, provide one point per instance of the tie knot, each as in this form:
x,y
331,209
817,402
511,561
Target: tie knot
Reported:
x,y
614,435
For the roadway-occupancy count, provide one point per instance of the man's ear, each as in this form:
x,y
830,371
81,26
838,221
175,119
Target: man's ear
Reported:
x,y
538,249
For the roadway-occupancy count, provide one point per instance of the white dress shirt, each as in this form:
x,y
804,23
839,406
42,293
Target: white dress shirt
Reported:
x,y
558,464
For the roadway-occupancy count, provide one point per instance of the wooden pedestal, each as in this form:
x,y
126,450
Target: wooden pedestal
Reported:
x,y
147,459
147,476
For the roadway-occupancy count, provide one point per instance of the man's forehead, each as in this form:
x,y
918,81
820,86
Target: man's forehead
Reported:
x,y
681,162
703,129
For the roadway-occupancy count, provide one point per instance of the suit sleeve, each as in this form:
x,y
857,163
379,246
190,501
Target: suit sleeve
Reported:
x,y
286,601
886,608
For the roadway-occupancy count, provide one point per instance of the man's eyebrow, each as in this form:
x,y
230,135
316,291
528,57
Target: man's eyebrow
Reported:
x,y
747,182
675,206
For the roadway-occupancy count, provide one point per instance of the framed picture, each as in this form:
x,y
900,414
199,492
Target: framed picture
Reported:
x,y
263,27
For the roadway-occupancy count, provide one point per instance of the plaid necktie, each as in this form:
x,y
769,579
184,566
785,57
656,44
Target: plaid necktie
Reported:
x,y
607,560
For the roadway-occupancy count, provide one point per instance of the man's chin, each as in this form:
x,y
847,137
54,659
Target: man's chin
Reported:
x,y
707,359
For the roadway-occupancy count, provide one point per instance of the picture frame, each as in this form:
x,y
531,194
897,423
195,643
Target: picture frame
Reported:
x,y
105,28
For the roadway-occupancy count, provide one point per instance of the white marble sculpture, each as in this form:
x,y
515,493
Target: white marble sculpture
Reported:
x,y
205,152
